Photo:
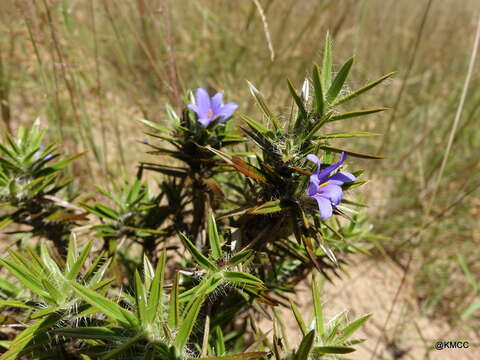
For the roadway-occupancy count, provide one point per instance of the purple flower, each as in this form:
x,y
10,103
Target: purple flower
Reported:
x,y
327,189
208,109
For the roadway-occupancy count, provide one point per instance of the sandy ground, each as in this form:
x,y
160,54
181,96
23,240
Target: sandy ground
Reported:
x,y
408,335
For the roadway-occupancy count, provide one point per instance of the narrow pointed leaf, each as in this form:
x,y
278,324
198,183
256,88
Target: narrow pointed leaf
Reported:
x,y
353,114
188,322
339,81
214,238
317,87
197,255
363,89
106,306
305,347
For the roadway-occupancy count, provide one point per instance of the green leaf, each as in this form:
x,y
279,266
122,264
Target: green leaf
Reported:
x,y
26,278
353,114
327,63
351,153
343,135
199,258
214,238
362,90
263,106
353,326
240,257
317,308
28,336
305,347
106,306
101,333
140,297
339,81
317,87
318,124
241,278
188,322
298,317
255,125
174,307
155,303
333,349
298,100
269,207
77,266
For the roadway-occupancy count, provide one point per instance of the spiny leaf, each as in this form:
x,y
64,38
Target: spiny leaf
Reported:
x,y
339,81
353,114
298,317
263,106
317,308
199,258
298,100
106,306
240,278
327,63
351,153
270,207
305,347
333,349
155,303
343,135
363,89
214,238
353,326
317,86
173,307
188,322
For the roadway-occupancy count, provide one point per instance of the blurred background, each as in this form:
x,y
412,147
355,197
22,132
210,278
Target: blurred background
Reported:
x,y
89,70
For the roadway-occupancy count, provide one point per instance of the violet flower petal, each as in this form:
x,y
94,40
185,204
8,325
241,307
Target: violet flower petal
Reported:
x,y
322,175
341,177
332,193
324,206
217,100
227,110
203,103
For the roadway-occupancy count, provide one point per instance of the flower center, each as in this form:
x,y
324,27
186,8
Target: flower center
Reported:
x,y
210,114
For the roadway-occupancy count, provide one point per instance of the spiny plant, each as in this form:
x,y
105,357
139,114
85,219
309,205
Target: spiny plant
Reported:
x,y
197,166
31,181
285,197
136,215
51,303
240,217
320,339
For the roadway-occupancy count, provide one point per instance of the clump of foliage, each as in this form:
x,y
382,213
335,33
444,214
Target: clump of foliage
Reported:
x,y
239,217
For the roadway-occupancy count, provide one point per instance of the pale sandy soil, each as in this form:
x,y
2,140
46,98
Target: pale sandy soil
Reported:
x,y
372,288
